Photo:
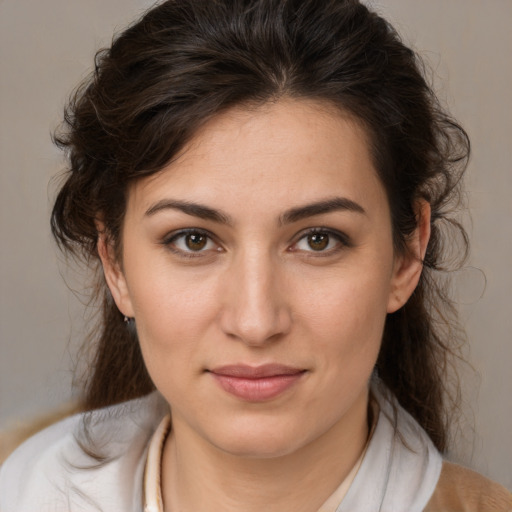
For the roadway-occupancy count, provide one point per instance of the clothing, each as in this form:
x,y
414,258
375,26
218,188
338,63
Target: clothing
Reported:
x,y
51,471
461,490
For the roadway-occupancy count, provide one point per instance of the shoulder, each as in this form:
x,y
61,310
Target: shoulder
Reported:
x,y
31,461
56,469
15,434
461,490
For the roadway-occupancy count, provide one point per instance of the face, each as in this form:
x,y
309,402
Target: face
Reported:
x,y
259,268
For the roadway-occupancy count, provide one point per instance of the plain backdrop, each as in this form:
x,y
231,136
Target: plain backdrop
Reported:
x,y
47,46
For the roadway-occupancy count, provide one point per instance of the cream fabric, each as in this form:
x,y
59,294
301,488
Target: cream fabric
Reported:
x,y
152,485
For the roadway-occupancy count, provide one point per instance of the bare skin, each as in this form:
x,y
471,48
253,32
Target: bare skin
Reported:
x,y
268,242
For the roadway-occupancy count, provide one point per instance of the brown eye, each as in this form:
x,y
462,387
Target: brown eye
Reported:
x,y
191,242
196,241
322,241
318,241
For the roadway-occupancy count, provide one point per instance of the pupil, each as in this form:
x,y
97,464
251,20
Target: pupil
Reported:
x,y
196,242
318,241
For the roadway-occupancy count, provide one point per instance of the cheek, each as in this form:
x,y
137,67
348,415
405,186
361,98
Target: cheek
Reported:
x,y
350,303
345,318
172,311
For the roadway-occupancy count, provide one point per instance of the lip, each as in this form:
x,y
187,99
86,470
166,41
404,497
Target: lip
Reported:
x,y
256,383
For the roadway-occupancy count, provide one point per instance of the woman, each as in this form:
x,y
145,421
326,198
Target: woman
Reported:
x,y
262,186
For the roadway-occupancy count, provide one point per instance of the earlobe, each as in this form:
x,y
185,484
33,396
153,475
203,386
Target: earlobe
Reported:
x,y
114,275
409,265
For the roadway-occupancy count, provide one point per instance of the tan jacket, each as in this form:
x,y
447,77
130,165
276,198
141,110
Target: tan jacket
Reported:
x,y
461,490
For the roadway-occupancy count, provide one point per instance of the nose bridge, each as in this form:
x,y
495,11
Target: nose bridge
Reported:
x,y
254,309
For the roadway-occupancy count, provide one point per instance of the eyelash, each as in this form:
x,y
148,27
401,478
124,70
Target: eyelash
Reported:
x,y
171,240
342,240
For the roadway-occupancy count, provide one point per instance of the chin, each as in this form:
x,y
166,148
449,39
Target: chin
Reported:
x,y
258,448
258,441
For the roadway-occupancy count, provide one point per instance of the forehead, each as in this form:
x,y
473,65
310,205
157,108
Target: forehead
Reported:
x,y
279,154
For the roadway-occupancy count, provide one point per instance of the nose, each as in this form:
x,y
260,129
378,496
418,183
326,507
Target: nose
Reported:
x,y
255,309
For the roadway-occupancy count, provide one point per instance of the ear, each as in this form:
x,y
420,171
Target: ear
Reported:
x,y
409,265
114,275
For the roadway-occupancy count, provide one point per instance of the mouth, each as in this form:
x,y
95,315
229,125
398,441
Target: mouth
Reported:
x,y
256,383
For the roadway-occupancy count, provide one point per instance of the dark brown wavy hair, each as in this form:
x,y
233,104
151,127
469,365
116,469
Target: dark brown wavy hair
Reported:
x,y
186,61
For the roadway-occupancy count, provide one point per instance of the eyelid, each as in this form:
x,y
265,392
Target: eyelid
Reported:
x,y
168,240
342,238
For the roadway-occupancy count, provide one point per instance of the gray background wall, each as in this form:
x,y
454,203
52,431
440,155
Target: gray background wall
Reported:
x,y
47,46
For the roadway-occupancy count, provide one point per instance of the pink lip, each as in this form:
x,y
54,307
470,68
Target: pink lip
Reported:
x,y
256,383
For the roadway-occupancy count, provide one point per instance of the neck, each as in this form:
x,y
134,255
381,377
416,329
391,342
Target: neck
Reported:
x,y
199,476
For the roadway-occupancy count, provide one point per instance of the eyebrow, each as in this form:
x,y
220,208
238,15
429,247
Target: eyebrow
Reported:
x,y
194,209
288,217
321,207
